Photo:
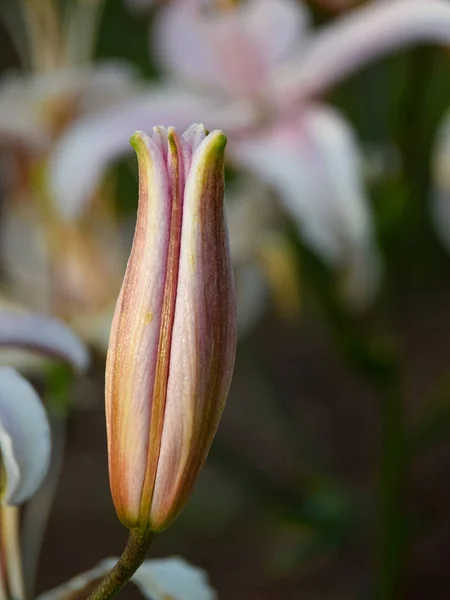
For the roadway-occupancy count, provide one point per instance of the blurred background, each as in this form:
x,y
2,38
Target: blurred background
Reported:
x,y
328,477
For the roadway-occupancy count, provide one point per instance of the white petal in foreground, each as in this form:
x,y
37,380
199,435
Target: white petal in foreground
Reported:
x,y
24,438
44,335
164,579
173,578
440,201
315,167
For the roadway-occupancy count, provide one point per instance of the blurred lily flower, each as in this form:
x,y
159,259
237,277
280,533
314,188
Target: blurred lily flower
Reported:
x,y
69,269
25,443
24,431
256,70
161,579
264,263
173,339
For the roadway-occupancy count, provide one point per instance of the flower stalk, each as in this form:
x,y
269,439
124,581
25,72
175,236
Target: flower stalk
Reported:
x,y
132,558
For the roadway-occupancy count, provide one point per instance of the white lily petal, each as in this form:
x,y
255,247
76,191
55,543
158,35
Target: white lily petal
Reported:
x,y
314,165
45,335
173,578
350,42
440,201
27,102
24,437
80,158
170,578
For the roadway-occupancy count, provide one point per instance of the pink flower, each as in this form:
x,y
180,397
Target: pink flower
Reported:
x,y
257,71
173,338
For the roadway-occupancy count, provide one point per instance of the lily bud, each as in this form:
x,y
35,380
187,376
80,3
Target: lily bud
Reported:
x,y
173,337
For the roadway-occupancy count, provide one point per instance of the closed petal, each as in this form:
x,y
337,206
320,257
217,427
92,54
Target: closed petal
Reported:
x,y
44,335
203,336
130,375
24,438
314,164
367,33
161,579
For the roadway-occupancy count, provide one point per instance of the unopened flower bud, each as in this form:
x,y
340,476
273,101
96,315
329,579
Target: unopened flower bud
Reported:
x,y
173,337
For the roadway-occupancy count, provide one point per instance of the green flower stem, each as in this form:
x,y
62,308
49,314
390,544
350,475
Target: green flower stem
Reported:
x,y
132,558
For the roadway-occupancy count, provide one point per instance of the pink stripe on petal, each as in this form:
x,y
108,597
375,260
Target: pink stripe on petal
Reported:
x,y
132,353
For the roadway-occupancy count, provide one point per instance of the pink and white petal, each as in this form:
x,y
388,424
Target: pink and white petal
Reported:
x,y
156,579
44,335
209,48
81,157
440,201
359,37
315,166
232,50
24,438
278,27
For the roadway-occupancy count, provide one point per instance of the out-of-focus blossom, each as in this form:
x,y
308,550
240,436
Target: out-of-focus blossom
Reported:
x,y
163,579
256,70
173,338
71,269
317,154
265,265
24,429
441,183
25,440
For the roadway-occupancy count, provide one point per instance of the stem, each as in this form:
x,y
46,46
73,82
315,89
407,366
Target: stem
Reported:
x,y
132,558
38,509
392,539
9,525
